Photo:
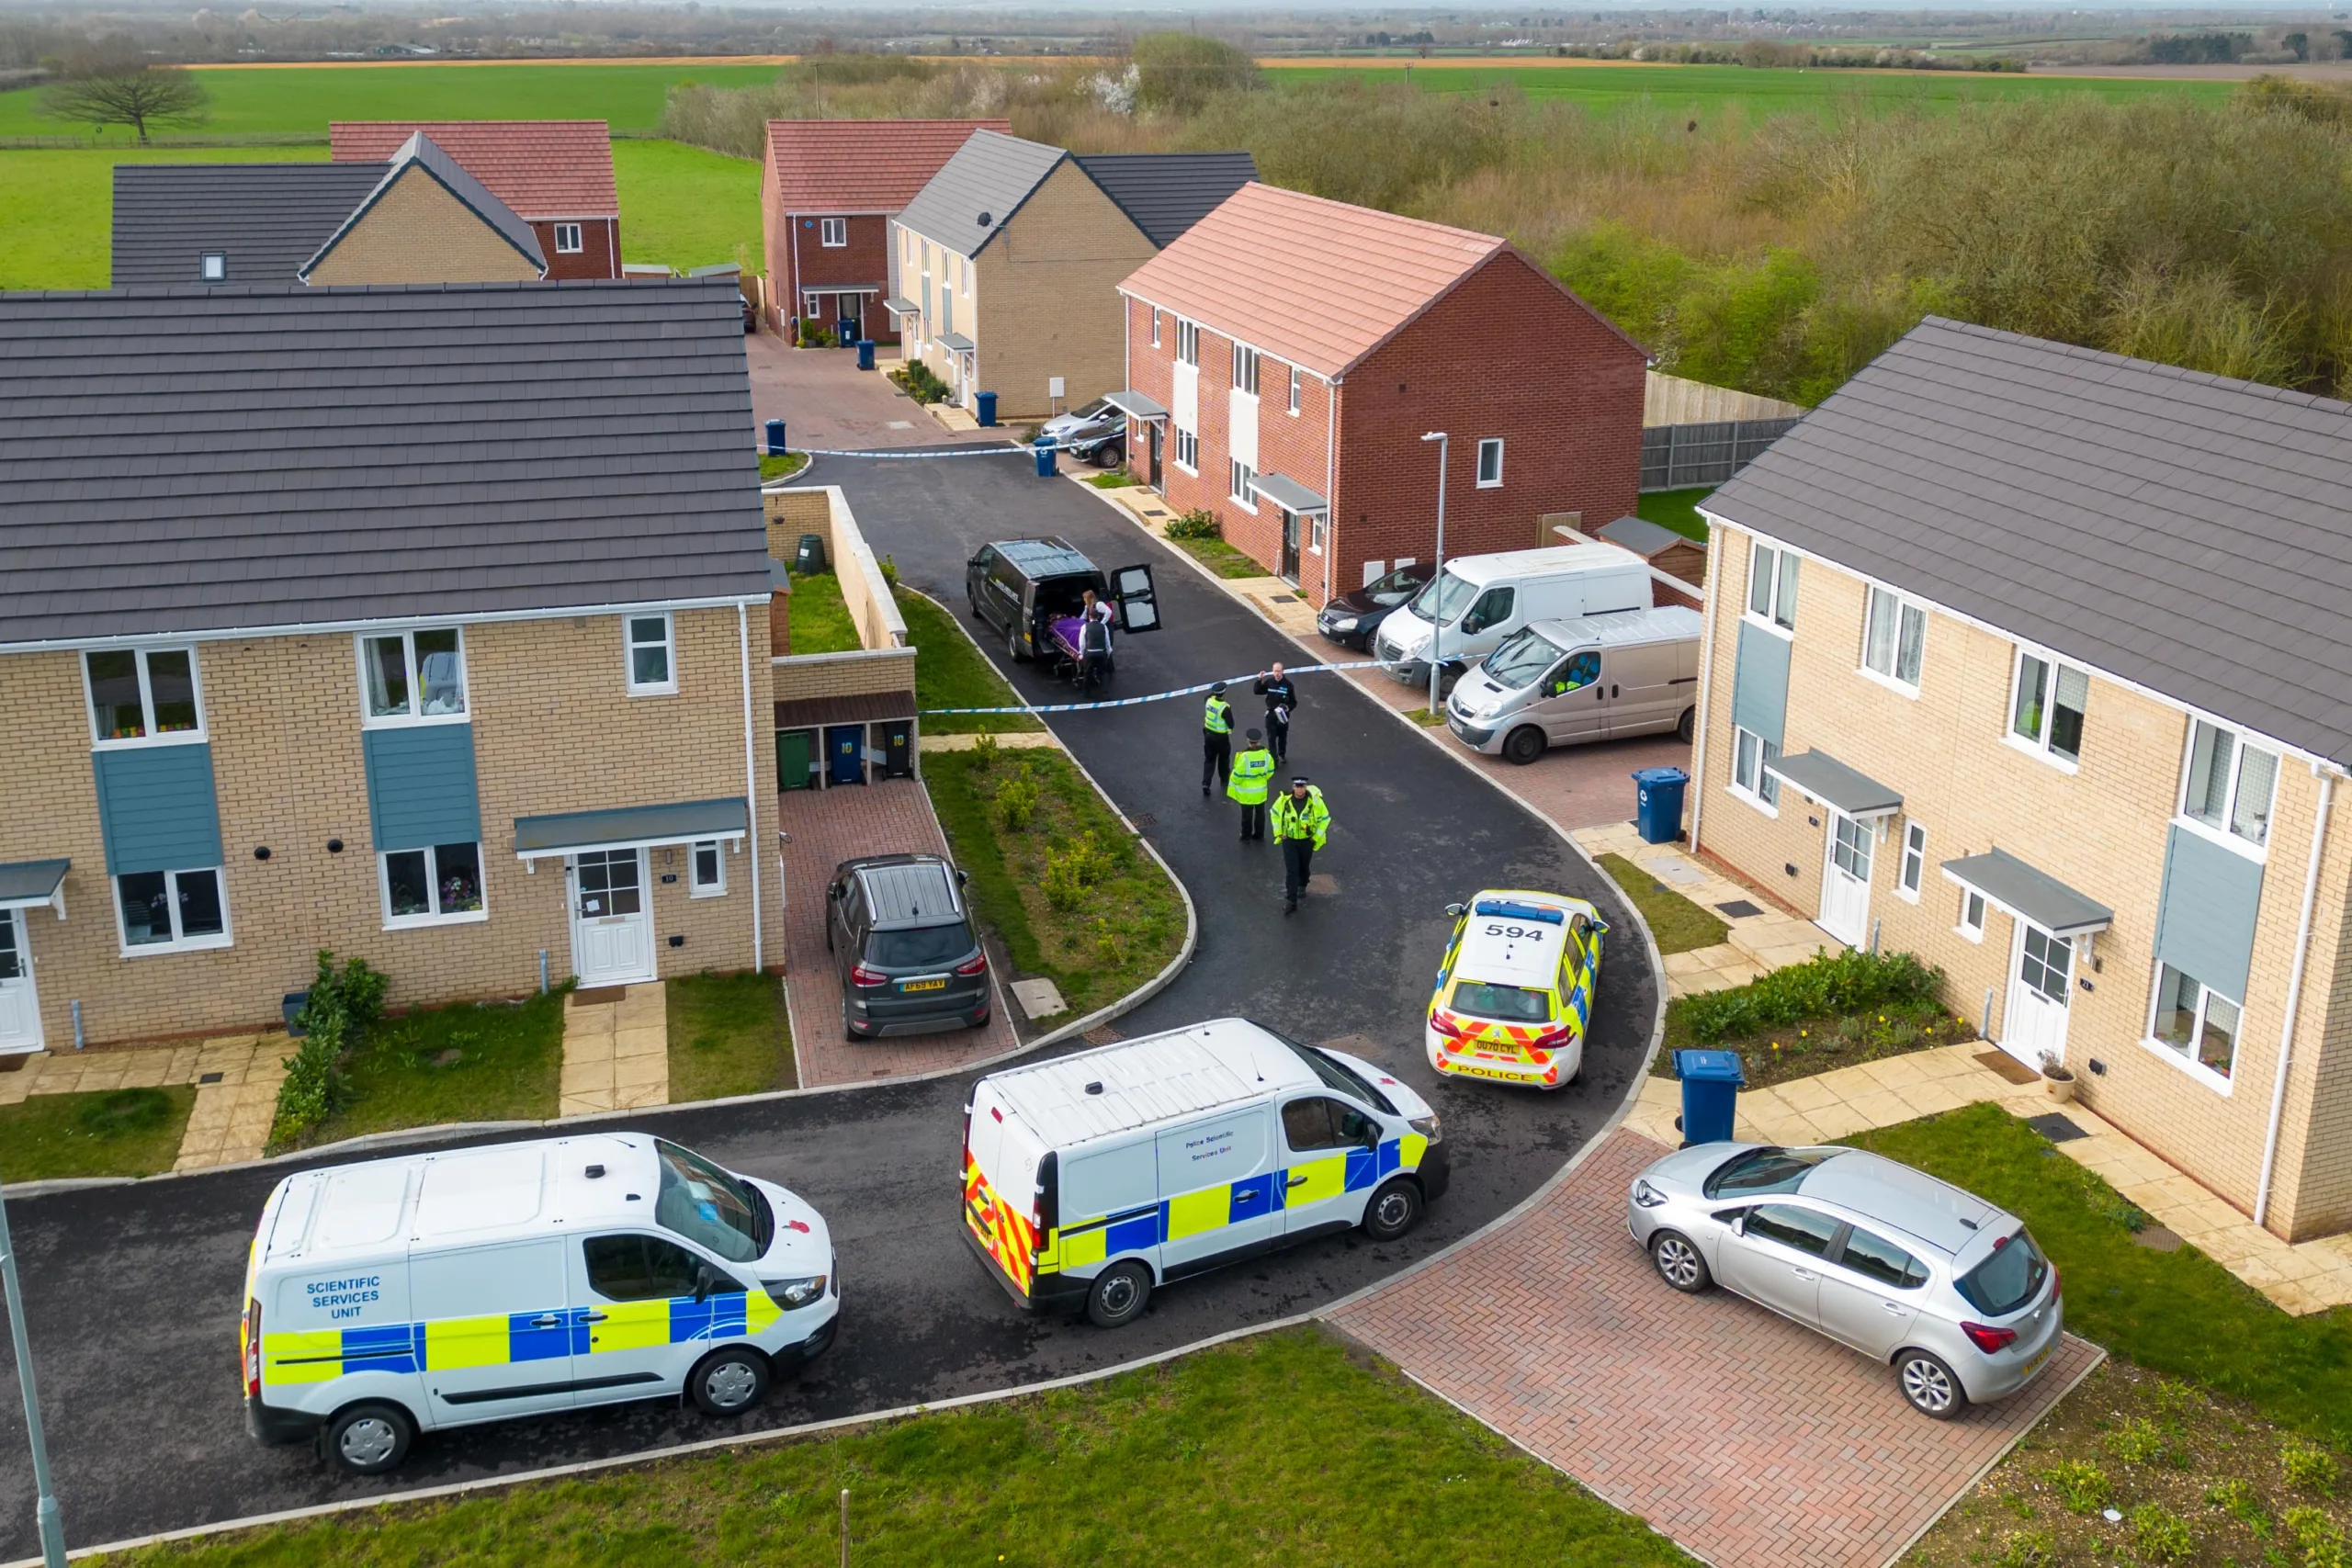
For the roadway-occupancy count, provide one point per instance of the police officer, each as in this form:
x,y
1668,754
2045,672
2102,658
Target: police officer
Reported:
x,y
1282,701
1301,819
1216,737
1252,769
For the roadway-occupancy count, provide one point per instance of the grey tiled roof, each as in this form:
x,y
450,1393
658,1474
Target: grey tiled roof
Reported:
x,y
266,218
1167,193
992,173
2187,533
194,459
420,154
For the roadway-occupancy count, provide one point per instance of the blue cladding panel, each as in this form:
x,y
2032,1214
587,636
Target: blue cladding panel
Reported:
x,y
527,1341
1252,1198
1363,1169
157,809
421,786
1759,684
2205,926
1134,1235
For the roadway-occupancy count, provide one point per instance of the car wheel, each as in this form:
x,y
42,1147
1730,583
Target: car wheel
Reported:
x,y
1679,1263
1393,1211
1931,1387
1687,725
368,1440
1118,1296
729,1381
1012,649
1106,456
1524,745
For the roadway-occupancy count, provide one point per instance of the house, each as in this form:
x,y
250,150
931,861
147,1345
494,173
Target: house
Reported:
x,y
556,173
1014,251
429,221
428,625
828,189
2031,660
1287,354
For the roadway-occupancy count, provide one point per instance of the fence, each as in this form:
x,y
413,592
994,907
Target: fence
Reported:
x,y
1676,457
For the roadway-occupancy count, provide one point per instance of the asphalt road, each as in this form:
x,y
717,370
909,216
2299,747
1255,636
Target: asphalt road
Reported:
x,y
133,1292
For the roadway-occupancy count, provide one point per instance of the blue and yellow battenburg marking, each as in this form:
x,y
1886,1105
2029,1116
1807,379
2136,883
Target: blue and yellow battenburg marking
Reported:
x,y
321,1355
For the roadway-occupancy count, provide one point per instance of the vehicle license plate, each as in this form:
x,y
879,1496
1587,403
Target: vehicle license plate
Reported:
x,y
2036,1365
922,985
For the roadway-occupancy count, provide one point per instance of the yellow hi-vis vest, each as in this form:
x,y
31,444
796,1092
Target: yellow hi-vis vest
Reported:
x,y
1251,769
1294,820
1217,717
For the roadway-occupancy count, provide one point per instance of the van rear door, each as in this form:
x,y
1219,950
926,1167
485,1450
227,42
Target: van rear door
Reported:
x,y
1000,1164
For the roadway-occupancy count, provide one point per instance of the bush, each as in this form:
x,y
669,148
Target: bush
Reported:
x,y
2307,1468
2159,1535
815,334
1179,72
2136,1442
2318,1538
1828,986
2238,1499
2080,1485
1197,523
1075,869
2029,1548
1016,800
919,382
985,751
343,1006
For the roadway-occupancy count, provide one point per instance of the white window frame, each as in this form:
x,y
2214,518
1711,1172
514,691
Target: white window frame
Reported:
x,y
1244,482
1494,445
1901,607
228,933
695,886
212,266
1315,533
146,699
832,233
2226,835
2034,746
1245,370
1155,326
1293,391
1764,793
416,689
1184,439
1188,342
570,232
1780,614
2187,1061
1970,922
1911,870
432,853
668,644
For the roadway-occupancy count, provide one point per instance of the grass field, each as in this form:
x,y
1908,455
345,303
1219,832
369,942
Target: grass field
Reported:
x,y
682,207
123,1132
728,1034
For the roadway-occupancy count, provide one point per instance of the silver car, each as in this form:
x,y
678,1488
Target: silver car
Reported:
x,y
1949,1291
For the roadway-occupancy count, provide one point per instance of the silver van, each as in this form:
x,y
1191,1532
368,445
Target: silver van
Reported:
x,y
1469,608
1596,678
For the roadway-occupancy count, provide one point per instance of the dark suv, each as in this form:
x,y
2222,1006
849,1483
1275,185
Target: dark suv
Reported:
x,y
904,945
1021,587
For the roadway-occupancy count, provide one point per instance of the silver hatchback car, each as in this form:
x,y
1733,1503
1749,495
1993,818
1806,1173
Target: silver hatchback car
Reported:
x,y
1949,1291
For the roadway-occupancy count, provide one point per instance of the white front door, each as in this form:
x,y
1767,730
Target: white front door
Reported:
x,y
1846,880
612,929
2041,970
19,1013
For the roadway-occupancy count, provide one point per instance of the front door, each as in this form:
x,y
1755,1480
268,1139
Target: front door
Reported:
x,y
1576,703
637,1324
1151,460
2034,1023
19,1012
1777,1258
1290,546
612,929
1846,880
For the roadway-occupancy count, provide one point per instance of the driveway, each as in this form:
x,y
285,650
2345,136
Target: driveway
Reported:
x,y
827,402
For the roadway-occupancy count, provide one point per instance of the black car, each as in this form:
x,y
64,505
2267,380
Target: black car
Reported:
x,y
1020,587
903,942
1351,618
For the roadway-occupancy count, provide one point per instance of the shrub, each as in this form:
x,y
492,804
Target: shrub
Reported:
x,y
2307,1468
815,334
1016,801
1198,524
1074,869
2136,1442
2317,1537
2028,1548
2159,1535
2238,1499
920,382
1830,985
343,1005
2080,1485
985,751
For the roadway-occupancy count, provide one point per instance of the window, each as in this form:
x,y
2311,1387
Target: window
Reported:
x,y
1154,327
413,675
1972,915
2048,716
143,694
1749,753
427,886
2230,784
1327,1125
1187,451
1245,370
709,1206
1772,587
215,266
166,911
1491,462
1245,483
1765,1169
567,239
2007,1280
1914,860
832,232
642,1269
1894,637
1792,1227
709,878
2043,964
1315,533
1875,1258
651,671
2194,1023
1294,389
1188,342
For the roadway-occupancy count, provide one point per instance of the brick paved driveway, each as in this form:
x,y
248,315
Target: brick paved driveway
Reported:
x,y
1748,1440
826,401
828,826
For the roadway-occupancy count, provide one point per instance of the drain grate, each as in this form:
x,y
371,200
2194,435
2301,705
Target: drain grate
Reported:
x,y
1283,599
1739,910
210,1077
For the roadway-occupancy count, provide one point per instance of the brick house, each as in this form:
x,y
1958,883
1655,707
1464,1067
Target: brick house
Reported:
x,y
1289,352
425,625
1014,252
2066,673
828,189
556,173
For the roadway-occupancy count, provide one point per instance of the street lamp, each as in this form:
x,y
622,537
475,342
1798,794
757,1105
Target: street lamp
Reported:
x,y
52,1524
1437,627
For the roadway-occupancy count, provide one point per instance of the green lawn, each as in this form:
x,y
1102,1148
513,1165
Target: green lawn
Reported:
x,y
1676,509
821,622
1280,1450
682,207
487,1062
1677,925
728,1034
950,672
772,467
122,1132
1221,557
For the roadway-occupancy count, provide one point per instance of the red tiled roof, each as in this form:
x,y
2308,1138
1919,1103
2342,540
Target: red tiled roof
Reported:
x,y
1318,283
862,165
541,168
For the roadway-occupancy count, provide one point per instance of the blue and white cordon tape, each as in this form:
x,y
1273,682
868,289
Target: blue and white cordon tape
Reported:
x,y
1157,696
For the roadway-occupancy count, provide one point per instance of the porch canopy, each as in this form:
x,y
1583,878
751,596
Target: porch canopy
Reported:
x,y
954,343
1135,405
1291,495
2009,884
629,828
33,884
899,305
1822,779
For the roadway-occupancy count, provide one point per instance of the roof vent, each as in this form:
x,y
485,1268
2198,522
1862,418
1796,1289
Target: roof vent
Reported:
x,y
595,1173
985,220
1094,1088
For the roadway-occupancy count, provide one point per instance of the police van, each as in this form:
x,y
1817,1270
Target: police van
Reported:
x,y
1090,1179
1514,992
404,1296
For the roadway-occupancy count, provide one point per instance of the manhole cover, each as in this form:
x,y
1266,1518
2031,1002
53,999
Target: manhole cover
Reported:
x,y
210,1077
1282,599
2155,1238
1739,908
2055,1128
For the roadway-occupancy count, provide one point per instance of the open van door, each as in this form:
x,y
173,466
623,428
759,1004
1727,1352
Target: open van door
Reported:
x,y
1138,602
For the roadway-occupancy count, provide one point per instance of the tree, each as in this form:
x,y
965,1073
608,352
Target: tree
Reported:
x,y
1178,73
125,89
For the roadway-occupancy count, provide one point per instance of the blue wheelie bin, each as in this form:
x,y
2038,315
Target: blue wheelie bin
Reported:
x,y
1657,794
866,354
984,409
1046,455
1711,1084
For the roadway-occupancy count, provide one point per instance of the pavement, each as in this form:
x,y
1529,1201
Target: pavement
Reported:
x,y
236,1078
615,1050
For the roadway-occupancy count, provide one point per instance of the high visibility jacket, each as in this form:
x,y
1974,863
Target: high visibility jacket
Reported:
x,y
1217,717
1294,819
1251,771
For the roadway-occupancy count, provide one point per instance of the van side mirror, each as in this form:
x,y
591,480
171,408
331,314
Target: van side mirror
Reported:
x,y
1457,910
963,877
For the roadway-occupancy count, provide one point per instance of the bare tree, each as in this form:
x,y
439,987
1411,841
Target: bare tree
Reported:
x,y
119,88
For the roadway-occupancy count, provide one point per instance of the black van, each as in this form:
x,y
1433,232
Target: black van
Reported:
x,y
904,945
1020,587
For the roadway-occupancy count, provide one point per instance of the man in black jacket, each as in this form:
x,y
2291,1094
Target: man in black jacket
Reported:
x,y
1281,700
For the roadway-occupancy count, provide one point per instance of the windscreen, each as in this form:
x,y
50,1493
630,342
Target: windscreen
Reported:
x,y
1521,660
1443,600
920,947
707,1205
1763,1170
2008,1279
1099,409
1396,586
1340,1075
1504,1004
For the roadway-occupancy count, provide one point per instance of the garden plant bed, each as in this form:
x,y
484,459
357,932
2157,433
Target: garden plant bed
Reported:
x,y
821,622
117,1132
1837,1010
1220,558
952,672
728,1034
1675,924
774,467
469,1061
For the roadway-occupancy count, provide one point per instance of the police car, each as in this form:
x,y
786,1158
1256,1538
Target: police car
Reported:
x,y
1514,994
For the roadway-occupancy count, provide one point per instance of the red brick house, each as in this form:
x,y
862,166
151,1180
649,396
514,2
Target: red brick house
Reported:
x,y
556,173
1288,353
828,191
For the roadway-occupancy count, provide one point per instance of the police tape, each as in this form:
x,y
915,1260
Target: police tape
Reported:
x,y
948,452
1157,696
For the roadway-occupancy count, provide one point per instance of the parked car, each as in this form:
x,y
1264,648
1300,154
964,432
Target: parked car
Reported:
x,y
1468,608
1514,991
1558,682
1020,587
1351,620
1097,432
401,1295
751,315
1934,1281
903,942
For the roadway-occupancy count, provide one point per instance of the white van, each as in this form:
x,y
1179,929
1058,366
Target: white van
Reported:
x,y
441,1289
1089,1179
1478,601
1604,677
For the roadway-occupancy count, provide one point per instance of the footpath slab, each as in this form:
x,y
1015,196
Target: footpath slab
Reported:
x,y
615,1050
